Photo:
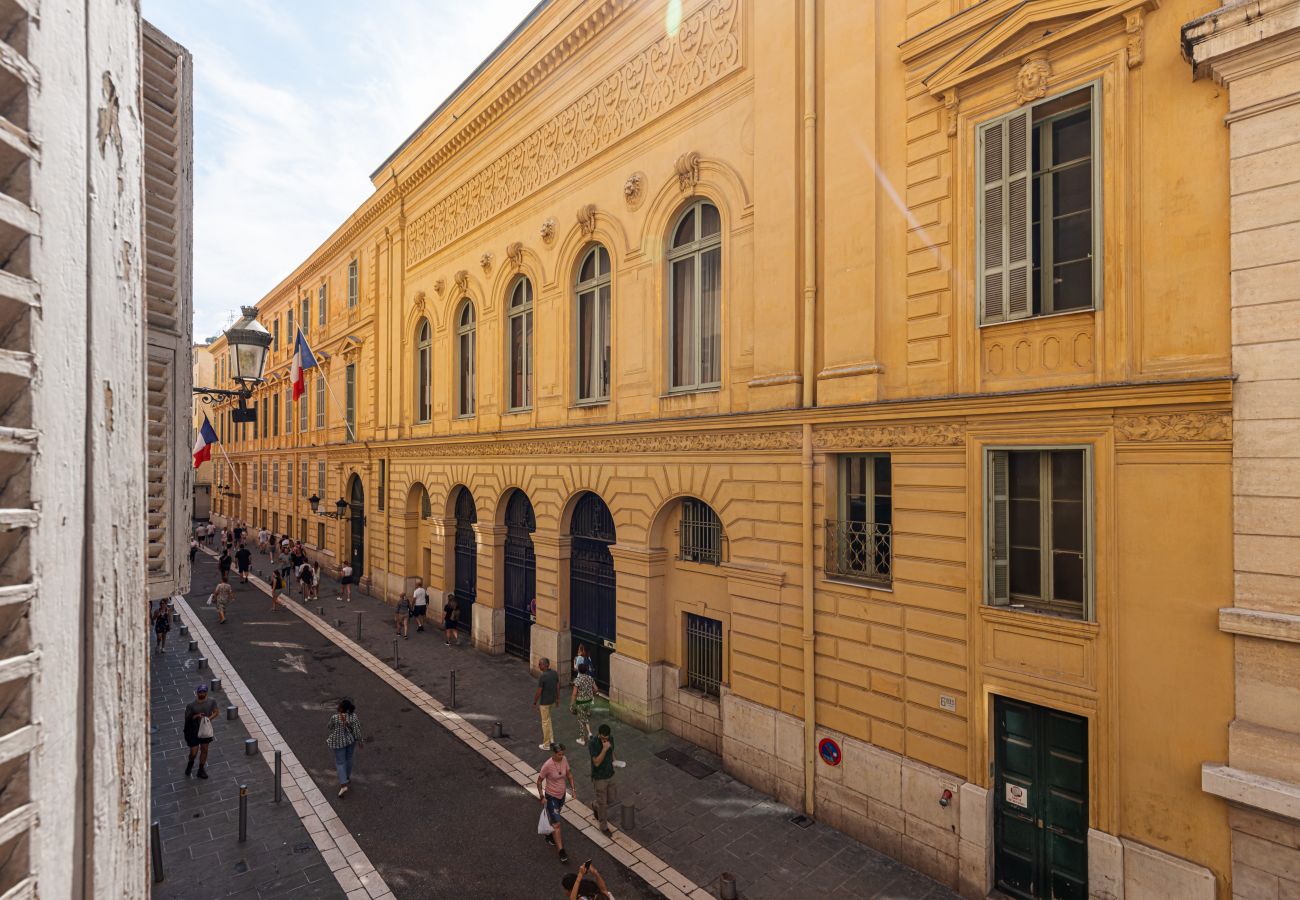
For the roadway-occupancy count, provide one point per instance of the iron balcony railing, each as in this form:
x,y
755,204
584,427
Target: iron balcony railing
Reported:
x,y
704,654
861,551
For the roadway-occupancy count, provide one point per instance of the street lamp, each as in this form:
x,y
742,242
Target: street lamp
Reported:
x,y
340,505
248,344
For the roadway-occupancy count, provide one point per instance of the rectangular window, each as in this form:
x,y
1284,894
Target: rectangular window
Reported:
x,y
257,432
352,284
1037,207
265,482
320,400
275,477
302,479
275,414
350,408
1039,531
275,334
288,410
383,481
320,535
289,334
700,533
320,478
275,523
288,482
859,541
704,654
322,305
593,344
304,318
304,408
302,529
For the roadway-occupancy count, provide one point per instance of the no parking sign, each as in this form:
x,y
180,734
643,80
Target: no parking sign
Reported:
x,y
829,752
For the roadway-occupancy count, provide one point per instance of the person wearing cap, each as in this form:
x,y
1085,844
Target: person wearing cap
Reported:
x,y
551,780
203,708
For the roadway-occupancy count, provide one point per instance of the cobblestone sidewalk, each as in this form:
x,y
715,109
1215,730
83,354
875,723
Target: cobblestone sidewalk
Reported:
x,y
701,826
199,819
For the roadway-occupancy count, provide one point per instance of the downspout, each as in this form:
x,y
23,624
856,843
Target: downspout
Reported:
x,y
809,387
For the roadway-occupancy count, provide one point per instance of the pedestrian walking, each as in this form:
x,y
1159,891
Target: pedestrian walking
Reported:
x,y
244,562
343,738
450,616
308,579
581,700
586,885
402,615
315,580
222,594
602,776
277,588
582,656
162,625
199,716
419,604
551,780
345,582
224,561
194,550
545,698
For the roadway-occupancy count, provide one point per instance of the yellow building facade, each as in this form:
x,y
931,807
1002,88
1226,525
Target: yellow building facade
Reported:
x,y
852,379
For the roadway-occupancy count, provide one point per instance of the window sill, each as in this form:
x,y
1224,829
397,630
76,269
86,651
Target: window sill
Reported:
x,y
687,391
884,586
517,411
589,404
1039,620
1027,320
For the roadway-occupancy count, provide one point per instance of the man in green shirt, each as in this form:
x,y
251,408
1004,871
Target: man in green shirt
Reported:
x,y
545,699
602,775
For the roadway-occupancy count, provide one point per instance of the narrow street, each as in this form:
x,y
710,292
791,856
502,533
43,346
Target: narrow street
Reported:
x,y
435,818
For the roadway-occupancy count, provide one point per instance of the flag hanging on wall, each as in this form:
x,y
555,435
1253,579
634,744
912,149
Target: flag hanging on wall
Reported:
x,y
203,446
303,359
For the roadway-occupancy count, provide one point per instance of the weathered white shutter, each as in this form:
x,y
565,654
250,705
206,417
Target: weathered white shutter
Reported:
x,y
166,92
1003,214
999,529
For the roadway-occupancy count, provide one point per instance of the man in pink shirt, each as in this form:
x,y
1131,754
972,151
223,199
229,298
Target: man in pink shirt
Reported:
x,y
551,780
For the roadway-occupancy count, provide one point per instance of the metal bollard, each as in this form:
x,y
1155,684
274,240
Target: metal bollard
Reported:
x,y
497,730
338,623
277,777
358,626
155,841
394,653
201,664
184,629
232,712
727,886
194,646
453,688
214,683
628,816
320,610
250,746
243,813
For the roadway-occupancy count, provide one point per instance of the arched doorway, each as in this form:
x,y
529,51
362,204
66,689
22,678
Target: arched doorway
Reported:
x,y
521,574
357,498
419,536
466,577
592,608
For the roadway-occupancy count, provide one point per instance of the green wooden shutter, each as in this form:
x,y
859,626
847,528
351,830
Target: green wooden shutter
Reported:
x,y
1003,218
999,530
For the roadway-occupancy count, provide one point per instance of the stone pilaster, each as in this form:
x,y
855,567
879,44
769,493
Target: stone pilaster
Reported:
x,y
489,625
550,633
442,531
636,669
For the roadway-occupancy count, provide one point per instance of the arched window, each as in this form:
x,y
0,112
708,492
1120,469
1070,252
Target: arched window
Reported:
x,y
423,373
695,299
700,533
593,290
519,329
465,349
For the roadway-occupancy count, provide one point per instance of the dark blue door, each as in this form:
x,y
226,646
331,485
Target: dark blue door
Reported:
x,y
466,558
592,606
521,574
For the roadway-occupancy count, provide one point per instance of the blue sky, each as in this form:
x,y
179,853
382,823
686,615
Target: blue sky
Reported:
x,y
295,104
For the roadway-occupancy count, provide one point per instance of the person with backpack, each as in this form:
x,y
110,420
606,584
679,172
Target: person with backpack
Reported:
x,y
277,588
402,616
343,738
244,562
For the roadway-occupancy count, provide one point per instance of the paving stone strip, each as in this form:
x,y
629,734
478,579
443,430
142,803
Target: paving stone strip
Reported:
x,y
339,850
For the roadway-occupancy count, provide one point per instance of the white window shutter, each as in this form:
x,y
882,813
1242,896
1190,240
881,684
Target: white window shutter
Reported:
x,y
1003,218
166,94
999,530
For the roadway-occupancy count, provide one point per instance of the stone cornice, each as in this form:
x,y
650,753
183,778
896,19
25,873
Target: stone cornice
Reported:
x,y
1216,43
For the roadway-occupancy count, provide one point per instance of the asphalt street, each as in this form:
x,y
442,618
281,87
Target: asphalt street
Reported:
x,y
435,818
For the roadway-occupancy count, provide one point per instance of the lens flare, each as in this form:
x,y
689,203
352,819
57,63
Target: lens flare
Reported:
x,y
673,17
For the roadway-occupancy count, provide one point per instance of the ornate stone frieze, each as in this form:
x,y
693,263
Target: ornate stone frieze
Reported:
x,y
713,442
945,434
704,48
1184,426
1031,79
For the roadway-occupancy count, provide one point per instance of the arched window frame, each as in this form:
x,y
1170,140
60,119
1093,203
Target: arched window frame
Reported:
x,y
592,327
423,372
466,352
704,370
519,346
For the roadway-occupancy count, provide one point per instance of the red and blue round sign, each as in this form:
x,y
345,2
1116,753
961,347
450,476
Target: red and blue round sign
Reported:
x,y
829,751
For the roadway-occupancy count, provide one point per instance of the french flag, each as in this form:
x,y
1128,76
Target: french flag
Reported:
x,y
303,359
203,446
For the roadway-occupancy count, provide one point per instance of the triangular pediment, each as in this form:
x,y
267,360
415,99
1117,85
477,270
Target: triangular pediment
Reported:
x,y
996,33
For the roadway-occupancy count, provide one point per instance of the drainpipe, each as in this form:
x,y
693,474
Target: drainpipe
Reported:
x,y
809,385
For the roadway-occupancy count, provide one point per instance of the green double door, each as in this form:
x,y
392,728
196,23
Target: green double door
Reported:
x,y
1041,802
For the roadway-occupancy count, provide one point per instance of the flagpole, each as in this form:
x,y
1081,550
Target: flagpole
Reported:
x,y
222,447
352,435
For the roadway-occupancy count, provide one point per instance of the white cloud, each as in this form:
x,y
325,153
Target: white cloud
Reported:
x,y
295,106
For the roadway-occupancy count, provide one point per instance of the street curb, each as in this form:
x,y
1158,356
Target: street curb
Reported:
x,y
356,875
654,871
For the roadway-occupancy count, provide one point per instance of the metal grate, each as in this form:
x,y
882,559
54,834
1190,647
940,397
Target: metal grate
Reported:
x,y
859,550
704,654
701,533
